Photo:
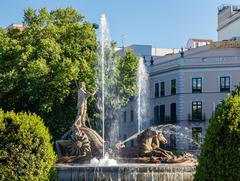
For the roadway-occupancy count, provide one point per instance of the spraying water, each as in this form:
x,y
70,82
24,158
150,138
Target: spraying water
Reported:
x,y
143,95
108,101
104,44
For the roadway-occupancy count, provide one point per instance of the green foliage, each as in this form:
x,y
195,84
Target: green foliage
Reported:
x,y
39,66
220,154
26,152
126,76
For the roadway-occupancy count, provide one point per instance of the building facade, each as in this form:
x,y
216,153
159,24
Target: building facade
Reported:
x,y
228,22
185,89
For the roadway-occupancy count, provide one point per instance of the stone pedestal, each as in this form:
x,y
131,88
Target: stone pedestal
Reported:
x,y
127,172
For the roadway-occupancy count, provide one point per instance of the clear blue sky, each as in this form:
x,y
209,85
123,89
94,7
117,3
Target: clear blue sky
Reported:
x,y
161,23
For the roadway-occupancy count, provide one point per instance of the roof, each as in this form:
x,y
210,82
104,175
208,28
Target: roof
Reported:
x,y
20,27
201,40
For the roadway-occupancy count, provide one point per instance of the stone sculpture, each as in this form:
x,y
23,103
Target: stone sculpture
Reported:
x,y
80,141
82,104
148,146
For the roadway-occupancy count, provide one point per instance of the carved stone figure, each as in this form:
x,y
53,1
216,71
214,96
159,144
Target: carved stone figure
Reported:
x,y
82,104
148,145
96,141
74,143
80,141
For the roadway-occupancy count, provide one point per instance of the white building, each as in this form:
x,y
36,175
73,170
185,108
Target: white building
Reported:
x,y
185,90
147,51
195,43
228,22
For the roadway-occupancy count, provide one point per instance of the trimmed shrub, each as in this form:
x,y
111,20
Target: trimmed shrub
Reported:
x,y
26,152
220,154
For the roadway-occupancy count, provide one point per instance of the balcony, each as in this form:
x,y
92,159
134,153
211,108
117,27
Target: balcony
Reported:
x,y
197,117
197,90
224,89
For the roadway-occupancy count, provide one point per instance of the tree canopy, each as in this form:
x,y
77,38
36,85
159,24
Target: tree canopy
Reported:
x,y
126,76
220,154
40,66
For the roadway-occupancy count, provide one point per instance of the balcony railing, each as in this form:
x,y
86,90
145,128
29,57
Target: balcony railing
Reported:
x,y
224,89
196,90
197,117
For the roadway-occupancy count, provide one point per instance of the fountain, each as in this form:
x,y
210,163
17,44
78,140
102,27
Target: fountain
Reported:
x,y
108,99
82,151
142,96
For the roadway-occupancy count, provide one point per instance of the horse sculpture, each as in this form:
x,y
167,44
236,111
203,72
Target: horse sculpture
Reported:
x,y
147,141
148,145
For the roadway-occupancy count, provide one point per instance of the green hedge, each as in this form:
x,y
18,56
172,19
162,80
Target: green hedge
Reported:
x,y
26,152
220,154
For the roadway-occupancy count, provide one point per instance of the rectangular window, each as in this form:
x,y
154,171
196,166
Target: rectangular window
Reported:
x,y
157,90
173,112
172,141
197,134
225,84
196,85
162,89
162,114
125,116
156,115
132,143
173,86
132,116
124,137
196,110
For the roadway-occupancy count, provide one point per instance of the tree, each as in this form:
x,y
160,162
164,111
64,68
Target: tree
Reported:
x,y
220,154
39,67
26,152
126,76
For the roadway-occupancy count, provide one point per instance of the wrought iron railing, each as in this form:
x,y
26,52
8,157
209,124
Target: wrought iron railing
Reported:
x,y
197,117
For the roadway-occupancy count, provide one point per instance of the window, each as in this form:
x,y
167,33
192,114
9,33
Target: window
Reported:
x,y
156,115
125,116
124,137
132,116
172,141
157,90
197,134
197,110
132,143
173,86
162,89
197,44
173,112
162,114
197,85
224,84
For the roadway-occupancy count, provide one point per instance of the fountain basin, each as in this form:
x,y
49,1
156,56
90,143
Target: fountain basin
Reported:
x,y
127,172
